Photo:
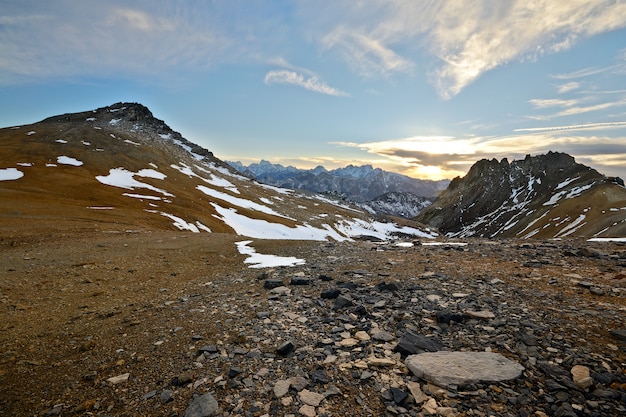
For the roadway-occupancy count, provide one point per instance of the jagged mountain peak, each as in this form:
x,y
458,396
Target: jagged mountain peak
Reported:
x,y
539,196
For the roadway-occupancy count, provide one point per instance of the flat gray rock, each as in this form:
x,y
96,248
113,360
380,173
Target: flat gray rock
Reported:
x,y
203,406
462,368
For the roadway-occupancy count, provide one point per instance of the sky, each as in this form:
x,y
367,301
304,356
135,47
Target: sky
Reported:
x,y
420,87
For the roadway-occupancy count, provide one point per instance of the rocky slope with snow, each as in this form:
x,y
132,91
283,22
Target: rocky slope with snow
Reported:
x,y
120,168
545,196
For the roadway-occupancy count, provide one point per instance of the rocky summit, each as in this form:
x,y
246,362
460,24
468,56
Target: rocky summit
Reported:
x,y
543,196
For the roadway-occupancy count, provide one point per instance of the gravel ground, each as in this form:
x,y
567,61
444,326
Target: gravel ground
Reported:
x,y
145,323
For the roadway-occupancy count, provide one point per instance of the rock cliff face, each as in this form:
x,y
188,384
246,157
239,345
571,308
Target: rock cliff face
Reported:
x,y
544,196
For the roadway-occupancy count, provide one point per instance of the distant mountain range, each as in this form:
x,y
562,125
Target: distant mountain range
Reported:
x,y
118,168
373,189
544,196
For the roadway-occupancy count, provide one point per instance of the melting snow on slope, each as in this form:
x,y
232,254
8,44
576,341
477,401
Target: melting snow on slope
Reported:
x,y
123,178
574,192
262,229
380,230
240,202
607,239
9,174
215,180
347,229
66,160
259,260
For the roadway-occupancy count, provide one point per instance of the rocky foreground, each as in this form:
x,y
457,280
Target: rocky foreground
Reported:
x,y
176,324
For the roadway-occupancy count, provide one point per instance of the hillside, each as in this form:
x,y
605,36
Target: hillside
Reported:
x,y
355,183
545,196
119,168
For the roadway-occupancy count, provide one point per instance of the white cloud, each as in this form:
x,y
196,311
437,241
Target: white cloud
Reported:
x,y
468,39
585,126
311,83
566,88
545,103
365,54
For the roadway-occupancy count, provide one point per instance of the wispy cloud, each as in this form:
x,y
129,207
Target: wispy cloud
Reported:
x,y
545,103
311,83
367,55
567,87
582,73
586,126
469,41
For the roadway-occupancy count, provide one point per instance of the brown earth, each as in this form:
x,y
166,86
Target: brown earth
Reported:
x,y
78,307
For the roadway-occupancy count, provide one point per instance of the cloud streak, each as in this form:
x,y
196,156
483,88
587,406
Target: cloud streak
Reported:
x,y
311,83
441,157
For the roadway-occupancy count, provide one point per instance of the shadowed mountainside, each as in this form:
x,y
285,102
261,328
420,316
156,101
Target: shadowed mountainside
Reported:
x,y
545,196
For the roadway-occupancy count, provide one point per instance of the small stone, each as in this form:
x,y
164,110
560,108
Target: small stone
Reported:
x,y
272,283
234,371
398,395
348,342
203,406
618,333
596,291
416,392
118,379
319,376
430,407
167,396
300,281
342,301
149,395
381,335
298,383
311,398
411,343
580,376
481,315
307,411
379,362
433,298
281,387
361,335
285,348
282,290
330,293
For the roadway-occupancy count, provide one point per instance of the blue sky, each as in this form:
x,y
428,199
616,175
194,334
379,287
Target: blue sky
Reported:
x,y
425,88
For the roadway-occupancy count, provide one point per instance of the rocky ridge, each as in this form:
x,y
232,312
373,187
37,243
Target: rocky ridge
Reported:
x,y
543,196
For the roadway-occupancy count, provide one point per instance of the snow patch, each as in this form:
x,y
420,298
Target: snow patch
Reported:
x,y
258,260
10,174
240,202
60,141
181,223
123,178
66,160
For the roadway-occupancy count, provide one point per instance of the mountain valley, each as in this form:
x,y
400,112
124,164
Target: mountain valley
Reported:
x,y
140,275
